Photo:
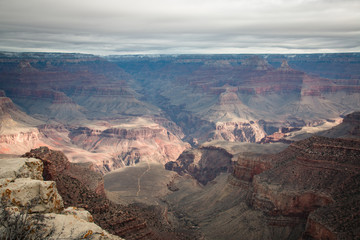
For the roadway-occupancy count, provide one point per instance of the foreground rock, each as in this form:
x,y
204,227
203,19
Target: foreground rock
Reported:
x,y
81,187
33,208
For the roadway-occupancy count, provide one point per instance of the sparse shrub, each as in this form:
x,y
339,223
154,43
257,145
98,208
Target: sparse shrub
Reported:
x,y
18,224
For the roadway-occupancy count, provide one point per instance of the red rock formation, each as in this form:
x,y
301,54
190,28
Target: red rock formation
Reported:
x,y
17,129
229,97
129,145
256,63
6,105
275,137
204,163
246,131
246,167
354,121
72,181
310,174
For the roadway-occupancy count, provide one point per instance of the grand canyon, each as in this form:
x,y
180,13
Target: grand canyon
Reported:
x,y
223,146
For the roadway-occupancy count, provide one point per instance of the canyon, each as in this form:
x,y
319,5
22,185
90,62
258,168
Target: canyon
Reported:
x,y
121,109
192,146
305,190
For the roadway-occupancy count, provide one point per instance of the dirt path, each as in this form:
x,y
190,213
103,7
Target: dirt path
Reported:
x,y
139,179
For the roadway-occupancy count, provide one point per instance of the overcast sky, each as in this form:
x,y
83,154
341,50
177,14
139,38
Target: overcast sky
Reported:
x,y
180,26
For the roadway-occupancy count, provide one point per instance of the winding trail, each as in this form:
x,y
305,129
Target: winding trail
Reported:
x,y
139,178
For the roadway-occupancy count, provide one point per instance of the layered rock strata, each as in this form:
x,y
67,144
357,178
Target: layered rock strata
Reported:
x,y
307,191
311,177
129,143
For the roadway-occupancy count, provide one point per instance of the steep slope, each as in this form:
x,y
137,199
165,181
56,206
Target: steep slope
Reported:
x,y
309,190
317,172
233,97
10,114
86,108
32,208
204,163
69,87
349,128
127,142
80,186
47,104
107,144
18,131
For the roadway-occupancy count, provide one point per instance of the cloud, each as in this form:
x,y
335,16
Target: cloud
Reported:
x,y
180,26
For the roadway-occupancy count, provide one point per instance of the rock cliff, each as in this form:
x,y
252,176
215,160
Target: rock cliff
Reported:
x,y
309,179
18,132
108,144
247,131
33,208
224,89
204,163
82,187
307,191
128,143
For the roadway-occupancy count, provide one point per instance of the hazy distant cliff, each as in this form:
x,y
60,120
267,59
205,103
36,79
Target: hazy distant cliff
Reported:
x,y
120,110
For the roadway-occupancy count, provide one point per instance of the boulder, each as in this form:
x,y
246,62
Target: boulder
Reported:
x,y
31,208
75,224
21,168
37,195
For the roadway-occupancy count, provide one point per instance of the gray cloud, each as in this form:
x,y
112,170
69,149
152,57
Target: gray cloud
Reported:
x,y
180,26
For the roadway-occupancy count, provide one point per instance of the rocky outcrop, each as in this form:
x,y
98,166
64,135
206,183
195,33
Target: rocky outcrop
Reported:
x,y
21,168
71,182
11,115
20,140
129,143
349,128
18,130
273,88
204,163
54,104
307,191
256,63
312,176
229,97
81,187
33,208
246,166
57,166
248,131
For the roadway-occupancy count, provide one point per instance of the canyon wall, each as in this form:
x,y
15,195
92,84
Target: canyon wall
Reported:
x,y
310,179
120,110
307,191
